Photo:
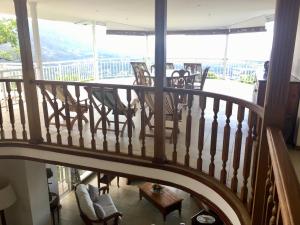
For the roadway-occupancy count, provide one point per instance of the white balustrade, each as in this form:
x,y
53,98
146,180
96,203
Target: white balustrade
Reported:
x,y
82,70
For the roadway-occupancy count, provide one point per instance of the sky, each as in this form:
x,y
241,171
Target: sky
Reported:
x,y
246,46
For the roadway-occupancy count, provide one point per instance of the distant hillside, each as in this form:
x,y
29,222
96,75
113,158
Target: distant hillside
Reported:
x,y
67,41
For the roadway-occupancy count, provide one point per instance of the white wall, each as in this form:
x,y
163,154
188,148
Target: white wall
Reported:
x,y
29,182
296,61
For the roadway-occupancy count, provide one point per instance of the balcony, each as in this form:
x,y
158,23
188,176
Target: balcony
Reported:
x,y
216,143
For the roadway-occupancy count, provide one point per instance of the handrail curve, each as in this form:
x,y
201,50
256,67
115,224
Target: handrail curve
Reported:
x,y
285,177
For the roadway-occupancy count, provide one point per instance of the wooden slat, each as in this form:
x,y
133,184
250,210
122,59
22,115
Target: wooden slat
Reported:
x,y
202,104
188,131
247,158
56,114
79,114
22,111
67,113
116,118
256,131
11,110
214,136
237,148
143,123
45,112
273,218
269,202
129,122
226,140
2,134
91,115
175,127
104,120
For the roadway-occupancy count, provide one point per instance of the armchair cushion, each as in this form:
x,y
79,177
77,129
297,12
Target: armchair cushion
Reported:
x,y
99,211
107,204
85,202
94,192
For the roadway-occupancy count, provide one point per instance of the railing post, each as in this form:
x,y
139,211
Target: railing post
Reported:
x,y
28,72
285,28
160,70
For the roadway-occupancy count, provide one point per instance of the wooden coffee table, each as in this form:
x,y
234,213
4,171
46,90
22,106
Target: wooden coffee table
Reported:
x,y
166,201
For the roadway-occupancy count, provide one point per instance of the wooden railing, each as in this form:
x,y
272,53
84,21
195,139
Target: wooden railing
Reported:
x,y
282,197
211,134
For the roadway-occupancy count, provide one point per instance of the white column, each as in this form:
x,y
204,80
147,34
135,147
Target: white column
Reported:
x,y
29,182
36,40
148,53
225,56
95,53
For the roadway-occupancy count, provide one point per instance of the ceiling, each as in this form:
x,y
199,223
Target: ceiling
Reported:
x,y
138,15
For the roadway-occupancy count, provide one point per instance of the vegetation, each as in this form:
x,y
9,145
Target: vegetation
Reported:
x,y
248,78
73,77
9,45
212,75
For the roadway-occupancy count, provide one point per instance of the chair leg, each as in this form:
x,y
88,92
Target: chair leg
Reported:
x,y
123,128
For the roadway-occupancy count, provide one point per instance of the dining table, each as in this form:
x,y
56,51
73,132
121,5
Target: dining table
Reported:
x,y
189,79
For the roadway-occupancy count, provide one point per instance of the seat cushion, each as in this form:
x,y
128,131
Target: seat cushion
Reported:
x,y
107,204
85,202
99,211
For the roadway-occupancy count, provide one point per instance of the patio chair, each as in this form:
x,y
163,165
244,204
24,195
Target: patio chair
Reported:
x,y
72,102
138,67
182,79
169,66
193,67
200,85
109,97
169,106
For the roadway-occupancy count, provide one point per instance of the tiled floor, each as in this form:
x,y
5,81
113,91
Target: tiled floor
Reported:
x,y
135,211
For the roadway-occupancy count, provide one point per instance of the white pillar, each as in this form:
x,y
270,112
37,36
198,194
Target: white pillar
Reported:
x,y
95,53
148,53
36,40
29,182
225,56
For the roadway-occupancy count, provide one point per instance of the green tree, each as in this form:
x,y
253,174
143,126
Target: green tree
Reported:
x,y
9,35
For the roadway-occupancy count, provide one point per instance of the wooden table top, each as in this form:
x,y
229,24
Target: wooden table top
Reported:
x,y
164,198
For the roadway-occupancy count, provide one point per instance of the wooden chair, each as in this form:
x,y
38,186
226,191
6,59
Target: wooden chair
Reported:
x,y
73,105
109,97
143,79
106,179
138,67
169,66
200,85
181,79
193,67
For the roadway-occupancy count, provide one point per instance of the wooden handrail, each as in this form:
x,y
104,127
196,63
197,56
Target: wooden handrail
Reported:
x,y
88,84
286,181
11,80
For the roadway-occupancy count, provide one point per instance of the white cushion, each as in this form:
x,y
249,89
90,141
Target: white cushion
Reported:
x,y
107,204
85,202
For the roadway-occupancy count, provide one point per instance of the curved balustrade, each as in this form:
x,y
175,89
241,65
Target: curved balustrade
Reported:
x,y
211,137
